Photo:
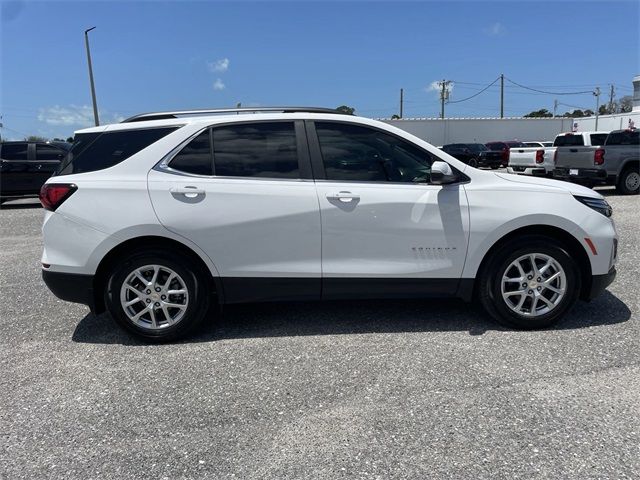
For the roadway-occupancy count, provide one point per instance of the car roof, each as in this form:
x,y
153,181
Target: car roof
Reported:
x,y
212,119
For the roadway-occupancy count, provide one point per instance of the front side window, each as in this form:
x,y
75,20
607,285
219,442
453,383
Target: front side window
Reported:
x,y
47,152
358,153
195,157
96,151
263,149
14,151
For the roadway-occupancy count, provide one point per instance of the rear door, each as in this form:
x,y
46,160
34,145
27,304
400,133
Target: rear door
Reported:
x,y
385,230
16,177
243,193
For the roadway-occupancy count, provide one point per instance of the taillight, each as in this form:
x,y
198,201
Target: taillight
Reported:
x,y
598,156
540,156
505,154
52,195
555,157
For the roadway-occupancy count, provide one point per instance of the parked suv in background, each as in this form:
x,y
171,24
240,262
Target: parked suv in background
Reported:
x,y
474,154
614,161
25,166
504,148
154,218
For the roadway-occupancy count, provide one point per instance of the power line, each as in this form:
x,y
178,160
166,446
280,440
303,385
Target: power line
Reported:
x,y
550,93
476,94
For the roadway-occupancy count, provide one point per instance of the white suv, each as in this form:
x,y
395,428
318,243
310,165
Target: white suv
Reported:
x,y
156,218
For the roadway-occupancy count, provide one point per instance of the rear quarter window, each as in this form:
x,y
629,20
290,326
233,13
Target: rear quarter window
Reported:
x,y
96,151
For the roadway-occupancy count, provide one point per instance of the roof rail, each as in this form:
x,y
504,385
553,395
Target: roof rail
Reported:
x,y
178,113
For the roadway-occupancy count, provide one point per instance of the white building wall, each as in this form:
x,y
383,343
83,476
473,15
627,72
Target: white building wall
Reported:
x,y
482,130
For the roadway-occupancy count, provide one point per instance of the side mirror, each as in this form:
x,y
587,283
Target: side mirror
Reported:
x,y
441,173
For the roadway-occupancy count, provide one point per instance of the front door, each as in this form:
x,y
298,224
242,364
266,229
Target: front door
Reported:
x,y
385,230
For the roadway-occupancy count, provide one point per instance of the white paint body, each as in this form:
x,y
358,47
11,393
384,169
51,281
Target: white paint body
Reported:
x,y
245,227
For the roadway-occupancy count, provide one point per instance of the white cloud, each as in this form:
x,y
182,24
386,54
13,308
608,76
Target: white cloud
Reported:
x,y
495,30
75,116
218,85
436,87
221,65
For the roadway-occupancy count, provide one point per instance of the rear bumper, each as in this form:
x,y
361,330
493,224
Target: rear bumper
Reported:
x,y
585,175
71,287
600,282
535,171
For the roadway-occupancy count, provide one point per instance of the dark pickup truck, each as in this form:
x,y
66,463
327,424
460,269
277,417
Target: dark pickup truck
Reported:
x,y
617,162
25,166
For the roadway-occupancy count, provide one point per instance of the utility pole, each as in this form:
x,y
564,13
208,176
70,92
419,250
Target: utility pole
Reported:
x,y
597,95
555,108
401,100
612,94
502,95
444,94
93,88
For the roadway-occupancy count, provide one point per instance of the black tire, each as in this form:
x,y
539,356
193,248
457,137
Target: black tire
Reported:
x,y
196,281
473,162
495,167
489,287
629,181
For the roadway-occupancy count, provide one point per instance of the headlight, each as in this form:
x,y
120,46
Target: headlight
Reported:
x,y
598,204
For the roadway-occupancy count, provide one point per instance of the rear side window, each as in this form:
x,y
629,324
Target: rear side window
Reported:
x,y
627,137
265,149
598,138
14,151
98,151
47,152
496,146
568,141
195,157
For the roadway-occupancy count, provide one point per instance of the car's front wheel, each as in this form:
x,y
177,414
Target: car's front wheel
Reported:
x,y
473,162
157,296
532,286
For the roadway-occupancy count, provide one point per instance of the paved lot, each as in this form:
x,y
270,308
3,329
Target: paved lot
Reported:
x,y
398,389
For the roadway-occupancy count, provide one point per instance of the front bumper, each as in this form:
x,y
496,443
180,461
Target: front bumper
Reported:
x,y
599,283
71,287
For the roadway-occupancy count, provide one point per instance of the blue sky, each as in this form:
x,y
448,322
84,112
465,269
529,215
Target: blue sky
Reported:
x,y
180,54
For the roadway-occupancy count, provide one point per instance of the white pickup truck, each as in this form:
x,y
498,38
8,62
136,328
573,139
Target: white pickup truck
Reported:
x,y
531,161
540,161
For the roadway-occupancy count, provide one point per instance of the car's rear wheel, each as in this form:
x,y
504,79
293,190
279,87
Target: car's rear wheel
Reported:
x,y
531,287
629,181
156,296
473,162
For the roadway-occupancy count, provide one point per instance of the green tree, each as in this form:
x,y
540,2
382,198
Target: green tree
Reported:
x,y
395,117
36,138
70,140
626,104
346,109
542,113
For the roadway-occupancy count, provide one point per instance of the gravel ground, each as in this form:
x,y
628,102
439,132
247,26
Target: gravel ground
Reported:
x,y
401,389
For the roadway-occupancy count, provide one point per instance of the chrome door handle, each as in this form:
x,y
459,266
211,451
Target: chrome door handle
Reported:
x,y
188,191
343,196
